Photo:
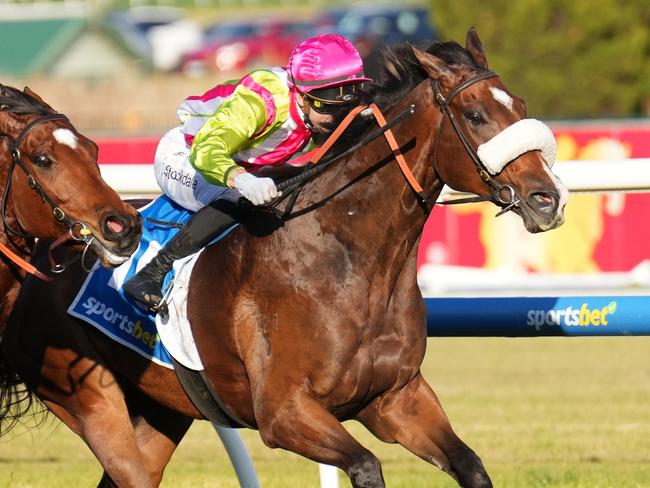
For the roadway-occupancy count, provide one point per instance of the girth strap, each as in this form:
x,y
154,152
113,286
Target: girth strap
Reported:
x,y
204,398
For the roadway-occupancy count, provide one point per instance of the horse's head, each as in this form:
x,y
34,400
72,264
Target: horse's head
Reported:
x,y
485,143
53,184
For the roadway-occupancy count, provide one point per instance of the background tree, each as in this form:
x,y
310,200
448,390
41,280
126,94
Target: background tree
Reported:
x,y
584,58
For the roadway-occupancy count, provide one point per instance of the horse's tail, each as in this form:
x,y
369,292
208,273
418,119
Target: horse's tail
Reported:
x,y
16,399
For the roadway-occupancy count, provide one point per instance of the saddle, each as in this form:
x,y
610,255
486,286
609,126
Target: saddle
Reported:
x,y
101,303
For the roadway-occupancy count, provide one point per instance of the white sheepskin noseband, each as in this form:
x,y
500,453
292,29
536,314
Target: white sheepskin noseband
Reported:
x,y
515,140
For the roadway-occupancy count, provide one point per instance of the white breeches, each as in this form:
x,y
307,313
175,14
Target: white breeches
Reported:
x,y
179,180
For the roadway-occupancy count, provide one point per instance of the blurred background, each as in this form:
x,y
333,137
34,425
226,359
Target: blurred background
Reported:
x,y
122,67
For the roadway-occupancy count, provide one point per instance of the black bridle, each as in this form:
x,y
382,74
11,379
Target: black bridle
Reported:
x,y
76,230
503,195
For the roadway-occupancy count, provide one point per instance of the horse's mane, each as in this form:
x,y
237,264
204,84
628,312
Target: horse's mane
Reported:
x,y
15,101
400,72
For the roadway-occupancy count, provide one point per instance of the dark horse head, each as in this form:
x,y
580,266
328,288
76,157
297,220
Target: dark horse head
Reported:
x,y
475,135
40,150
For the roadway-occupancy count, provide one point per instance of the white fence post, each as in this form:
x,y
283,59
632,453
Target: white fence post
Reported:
x,y
239,457
329,476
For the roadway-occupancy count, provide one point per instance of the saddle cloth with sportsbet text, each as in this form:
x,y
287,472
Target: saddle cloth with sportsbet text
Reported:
x,y
102,303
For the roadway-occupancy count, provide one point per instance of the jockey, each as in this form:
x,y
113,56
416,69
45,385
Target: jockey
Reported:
x,y
237,128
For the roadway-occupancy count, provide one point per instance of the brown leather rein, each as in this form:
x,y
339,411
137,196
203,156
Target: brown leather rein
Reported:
x,y
316,155
77,231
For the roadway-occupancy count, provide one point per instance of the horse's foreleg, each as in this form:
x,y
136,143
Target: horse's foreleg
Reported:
x,y
301,425
92,405
158,431
71,422
413,417
156,444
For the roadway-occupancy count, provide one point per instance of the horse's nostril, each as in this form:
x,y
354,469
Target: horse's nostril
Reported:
x,y
543,202
115,225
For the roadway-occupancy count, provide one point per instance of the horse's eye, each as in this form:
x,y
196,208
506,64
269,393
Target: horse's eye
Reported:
x,y
42,161
474,117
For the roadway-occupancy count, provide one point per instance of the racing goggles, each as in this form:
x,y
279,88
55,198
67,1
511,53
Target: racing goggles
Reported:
x,y
327,99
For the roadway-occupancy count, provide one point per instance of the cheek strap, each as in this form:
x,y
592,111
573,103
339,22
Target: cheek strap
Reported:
x,y
513,141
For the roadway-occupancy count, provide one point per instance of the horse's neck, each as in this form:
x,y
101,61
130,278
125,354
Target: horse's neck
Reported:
x,y
378,216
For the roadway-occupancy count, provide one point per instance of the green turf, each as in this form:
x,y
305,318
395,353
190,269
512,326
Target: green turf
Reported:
x,y
551,412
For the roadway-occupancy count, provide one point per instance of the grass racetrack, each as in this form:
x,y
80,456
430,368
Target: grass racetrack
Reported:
x,y
546,412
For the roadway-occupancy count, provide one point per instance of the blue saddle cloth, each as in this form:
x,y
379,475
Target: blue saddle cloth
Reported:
x,y
101,301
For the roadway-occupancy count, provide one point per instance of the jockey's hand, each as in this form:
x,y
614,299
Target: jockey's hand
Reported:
x,y
258,190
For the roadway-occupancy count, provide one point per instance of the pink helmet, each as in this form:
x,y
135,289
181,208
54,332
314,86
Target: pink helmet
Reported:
x,y
325,61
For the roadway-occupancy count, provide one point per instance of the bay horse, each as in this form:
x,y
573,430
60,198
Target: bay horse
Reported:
x,y
321,320
52,188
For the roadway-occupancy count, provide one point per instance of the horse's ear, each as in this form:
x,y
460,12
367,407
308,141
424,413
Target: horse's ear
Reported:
x,y
435,67
475,47
29,92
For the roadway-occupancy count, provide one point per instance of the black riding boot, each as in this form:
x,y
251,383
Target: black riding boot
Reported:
x,y
146,285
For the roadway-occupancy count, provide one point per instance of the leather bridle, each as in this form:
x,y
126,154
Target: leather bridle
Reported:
x,y
76,230
503,195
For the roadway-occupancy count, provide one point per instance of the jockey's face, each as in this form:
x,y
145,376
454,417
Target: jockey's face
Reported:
x,y
319,120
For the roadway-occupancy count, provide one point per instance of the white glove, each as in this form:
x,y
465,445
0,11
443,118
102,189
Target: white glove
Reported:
x,y
258,190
